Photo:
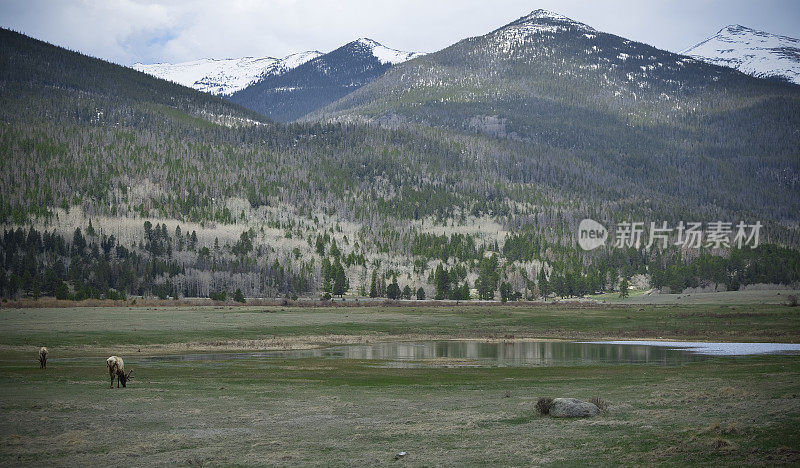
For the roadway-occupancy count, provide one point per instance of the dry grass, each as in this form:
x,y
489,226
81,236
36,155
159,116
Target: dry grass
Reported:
x,y
730,429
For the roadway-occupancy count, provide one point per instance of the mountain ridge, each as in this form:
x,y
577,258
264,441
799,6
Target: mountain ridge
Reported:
x,y
41,64
633,68
321,80
225,77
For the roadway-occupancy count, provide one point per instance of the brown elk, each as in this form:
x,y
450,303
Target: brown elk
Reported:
x,y
116,367
42,358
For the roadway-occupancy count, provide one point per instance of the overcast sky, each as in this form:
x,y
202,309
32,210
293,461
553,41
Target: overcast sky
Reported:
x,y
129,31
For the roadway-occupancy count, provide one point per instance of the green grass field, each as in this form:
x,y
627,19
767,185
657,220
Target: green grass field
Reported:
x,y
315,411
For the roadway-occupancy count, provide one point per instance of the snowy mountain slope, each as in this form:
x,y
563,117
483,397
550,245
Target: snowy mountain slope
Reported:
x,y
505,82
320,81
225,77
751,51
385,54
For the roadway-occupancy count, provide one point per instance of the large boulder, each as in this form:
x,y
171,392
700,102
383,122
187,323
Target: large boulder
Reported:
x,y
572,408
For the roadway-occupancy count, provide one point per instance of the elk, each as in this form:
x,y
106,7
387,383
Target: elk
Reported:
x,y
117,368
42,358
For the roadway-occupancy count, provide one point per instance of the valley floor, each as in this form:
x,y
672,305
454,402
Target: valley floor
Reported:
x,y
311,411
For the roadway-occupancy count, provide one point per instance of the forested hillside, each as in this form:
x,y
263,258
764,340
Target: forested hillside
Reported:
x,y
624,112
116,183
35,67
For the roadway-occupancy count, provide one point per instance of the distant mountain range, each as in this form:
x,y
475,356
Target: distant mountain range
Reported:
x,y
301,85
751,51
518,81
276,88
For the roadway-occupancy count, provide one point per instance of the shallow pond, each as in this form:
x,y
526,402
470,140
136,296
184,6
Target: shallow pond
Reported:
x,y
511,353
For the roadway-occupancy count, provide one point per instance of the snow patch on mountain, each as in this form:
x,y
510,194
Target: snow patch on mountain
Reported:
x,y
540,14
385,54
537,23
547,21
226,76
751,51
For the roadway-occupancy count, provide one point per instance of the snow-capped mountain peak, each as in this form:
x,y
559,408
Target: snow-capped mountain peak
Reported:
x,y
534,27
754,52
224,76
546,14
547,20
385,54
368,42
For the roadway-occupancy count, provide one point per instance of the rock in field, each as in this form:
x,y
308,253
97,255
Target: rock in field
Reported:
x,y
572,408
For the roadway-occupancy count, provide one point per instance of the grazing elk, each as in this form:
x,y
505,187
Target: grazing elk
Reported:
x,y
42,358
117,368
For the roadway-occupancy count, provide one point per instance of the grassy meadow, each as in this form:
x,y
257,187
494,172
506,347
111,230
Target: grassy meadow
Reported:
x,y
311,411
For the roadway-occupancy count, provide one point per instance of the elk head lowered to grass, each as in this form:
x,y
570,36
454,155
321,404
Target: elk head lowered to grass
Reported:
x,y
117,368
42,358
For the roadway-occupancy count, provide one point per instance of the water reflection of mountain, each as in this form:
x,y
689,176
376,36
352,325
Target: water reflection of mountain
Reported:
x,y
480,352
511,352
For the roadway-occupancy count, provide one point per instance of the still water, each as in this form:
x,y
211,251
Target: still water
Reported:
x,y
511,353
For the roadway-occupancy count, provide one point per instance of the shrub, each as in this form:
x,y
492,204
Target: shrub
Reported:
x,y
218,296
543,405
791,300
62,290
238,296
600,403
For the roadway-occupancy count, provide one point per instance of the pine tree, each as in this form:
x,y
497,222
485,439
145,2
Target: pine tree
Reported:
x,y
393,290
334,250
623,288
373,289
340,281
544,286
442,283
486,284
506,292
238,296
